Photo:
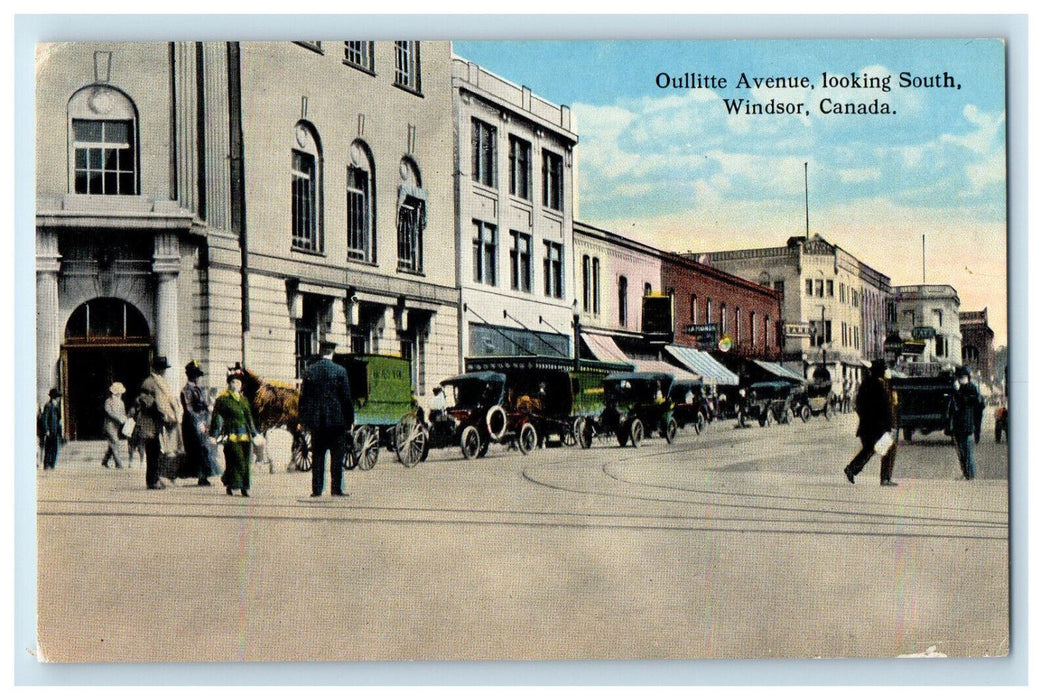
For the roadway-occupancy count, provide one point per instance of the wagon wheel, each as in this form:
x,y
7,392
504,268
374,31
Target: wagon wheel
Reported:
x,y
585,432
787,416
671,431
637,432
301,451
806,413
410,441
470,442
527,438
569,434
366,447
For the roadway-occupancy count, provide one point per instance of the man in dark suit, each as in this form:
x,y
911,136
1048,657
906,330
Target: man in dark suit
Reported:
x,y
326,409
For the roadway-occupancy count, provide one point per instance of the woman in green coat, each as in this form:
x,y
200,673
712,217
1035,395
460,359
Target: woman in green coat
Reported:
x,y
231,422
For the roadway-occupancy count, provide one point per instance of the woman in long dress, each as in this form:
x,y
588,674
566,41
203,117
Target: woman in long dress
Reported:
x,y
231,422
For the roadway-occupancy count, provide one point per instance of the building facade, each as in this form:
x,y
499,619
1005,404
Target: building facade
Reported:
x,y
934,308
834,306
978,344
234,202
514,193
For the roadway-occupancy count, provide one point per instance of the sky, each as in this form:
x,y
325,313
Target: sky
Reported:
x,y
673,168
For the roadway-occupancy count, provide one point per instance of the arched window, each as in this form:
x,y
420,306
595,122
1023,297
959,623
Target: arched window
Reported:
x,y
107,319
360,204
103,153
694,309
754,331
709,311
411,217
586,282
306,160
722,319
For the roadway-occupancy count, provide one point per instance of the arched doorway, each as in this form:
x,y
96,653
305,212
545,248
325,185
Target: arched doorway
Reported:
x,y
106,340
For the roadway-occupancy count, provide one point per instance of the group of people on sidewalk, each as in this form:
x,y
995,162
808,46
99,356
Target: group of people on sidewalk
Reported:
x,y
877,425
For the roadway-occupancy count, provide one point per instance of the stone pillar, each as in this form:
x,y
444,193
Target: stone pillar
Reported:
x,y
166,267
338,331
48,330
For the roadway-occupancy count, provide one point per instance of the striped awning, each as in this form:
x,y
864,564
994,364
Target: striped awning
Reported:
x,y
704,365
780,370
604,348
660,366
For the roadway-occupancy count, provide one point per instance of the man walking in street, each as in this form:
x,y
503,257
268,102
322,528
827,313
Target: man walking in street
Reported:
x,y
196,419
326,410
877,410
965,412
157,417
50,428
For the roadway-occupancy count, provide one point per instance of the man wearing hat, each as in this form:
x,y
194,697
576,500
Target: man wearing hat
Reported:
x,y
112,422
327,410
158,412
877,411
51,428
196,419
965,411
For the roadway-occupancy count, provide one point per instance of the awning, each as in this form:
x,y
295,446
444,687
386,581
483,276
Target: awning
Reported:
x,y
700,362
780,371
604,348
660,366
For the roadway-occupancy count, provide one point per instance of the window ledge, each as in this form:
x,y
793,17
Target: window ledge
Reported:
x,y
358,66
409,90
304,251
410,271
308,45
361,261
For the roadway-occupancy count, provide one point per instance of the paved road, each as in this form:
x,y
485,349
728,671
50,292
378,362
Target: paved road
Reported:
x,y
736,543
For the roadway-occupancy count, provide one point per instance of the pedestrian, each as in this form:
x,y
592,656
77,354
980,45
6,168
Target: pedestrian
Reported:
x,y
135,445
231,422
157,419
112,423
196,419
877,411
49,426
964,412
438,403
326,410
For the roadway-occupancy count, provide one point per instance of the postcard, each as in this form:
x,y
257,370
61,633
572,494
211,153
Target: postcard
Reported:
x,y
521,350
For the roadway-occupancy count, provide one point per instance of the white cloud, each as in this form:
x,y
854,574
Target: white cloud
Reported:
x,y
855,175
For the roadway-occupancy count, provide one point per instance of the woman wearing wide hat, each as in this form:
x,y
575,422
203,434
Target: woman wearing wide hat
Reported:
x,y
196,418
112,422
231,422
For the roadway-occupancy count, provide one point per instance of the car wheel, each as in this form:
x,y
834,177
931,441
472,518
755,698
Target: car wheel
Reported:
x,y
301,452
636,433
470,442
496,422
806,413
527,438
672,431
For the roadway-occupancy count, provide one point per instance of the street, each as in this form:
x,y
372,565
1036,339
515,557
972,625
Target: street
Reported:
x,y
737,543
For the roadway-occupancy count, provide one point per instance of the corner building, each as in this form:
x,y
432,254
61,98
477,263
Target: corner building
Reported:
x,y
240,202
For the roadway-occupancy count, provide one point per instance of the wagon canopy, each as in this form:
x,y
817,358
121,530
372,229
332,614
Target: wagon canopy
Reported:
x,y
381,386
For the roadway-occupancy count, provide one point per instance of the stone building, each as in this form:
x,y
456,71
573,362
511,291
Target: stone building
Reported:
x,y
240,202
514,181
834,305
934,308
978,347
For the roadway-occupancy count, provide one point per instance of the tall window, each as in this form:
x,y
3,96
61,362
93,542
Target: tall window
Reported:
x,y
596,285
520,168
552,275
831,289
103,155
553,181
809,288
411,218
819,288
406,68
778,287
359,54
765,333
483,152
739,335
360,206
484,253
622,296
521,261
694,309
709,311
722,319
586,282
754,331
305,229
647,290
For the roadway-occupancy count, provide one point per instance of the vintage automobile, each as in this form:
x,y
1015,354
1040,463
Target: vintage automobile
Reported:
x,y
690,404
381,387
767,402
548,398
922,403
637,405
815,399
474,418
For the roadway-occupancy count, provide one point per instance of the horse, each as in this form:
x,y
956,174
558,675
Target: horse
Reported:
x,y
275,405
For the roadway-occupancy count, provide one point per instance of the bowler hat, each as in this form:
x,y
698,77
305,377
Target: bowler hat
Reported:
x,y
54,393
235,372
193,369
160,362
